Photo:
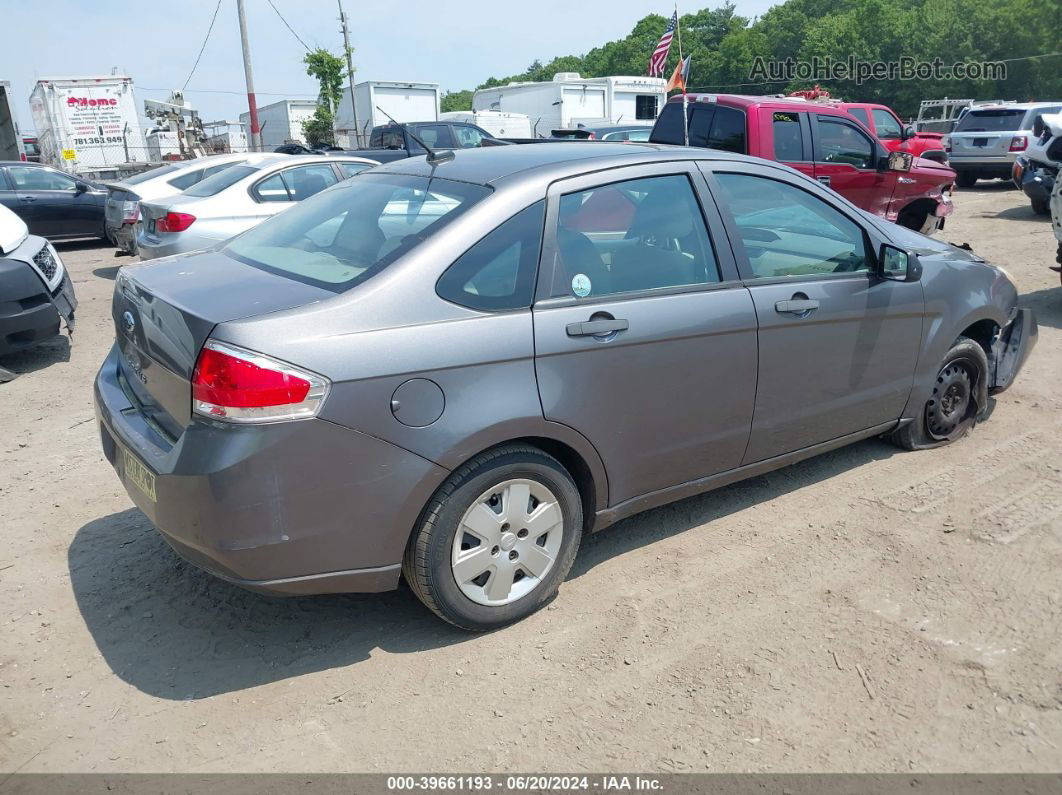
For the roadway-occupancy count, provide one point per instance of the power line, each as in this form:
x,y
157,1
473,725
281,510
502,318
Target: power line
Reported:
x,y
205,40
289,27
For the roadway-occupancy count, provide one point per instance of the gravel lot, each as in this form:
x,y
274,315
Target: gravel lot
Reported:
x,y
868,610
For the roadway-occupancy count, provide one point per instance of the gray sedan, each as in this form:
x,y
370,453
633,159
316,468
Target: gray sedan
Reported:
x,y
450,370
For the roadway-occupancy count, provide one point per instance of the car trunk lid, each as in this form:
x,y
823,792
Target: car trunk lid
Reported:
x,y
163,312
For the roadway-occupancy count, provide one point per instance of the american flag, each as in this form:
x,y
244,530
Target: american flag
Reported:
x,y
659,58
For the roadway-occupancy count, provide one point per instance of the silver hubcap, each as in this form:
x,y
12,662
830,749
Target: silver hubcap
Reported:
x,y
507,542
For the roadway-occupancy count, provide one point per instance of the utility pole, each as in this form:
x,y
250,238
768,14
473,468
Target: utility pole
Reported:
x,y
350,75
252,103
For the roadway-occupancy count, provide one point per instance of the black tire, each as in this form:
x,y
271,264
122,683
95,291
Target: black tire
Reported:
x,y
965,179
954,406
1041,206
427,563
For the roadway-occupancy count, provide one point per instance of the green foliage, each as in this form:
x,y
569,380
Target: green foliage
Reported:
x,y
724,46
456,100
330,71
318,129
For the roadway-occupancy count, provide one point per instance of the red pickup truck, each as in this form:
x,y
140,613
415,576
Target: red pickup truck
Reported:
x,y
893,133
820,140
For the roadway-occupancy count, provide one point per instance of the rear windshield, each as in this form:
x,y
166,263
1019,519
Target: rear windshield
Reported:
x,y
145,176
211,186
342,236
991,120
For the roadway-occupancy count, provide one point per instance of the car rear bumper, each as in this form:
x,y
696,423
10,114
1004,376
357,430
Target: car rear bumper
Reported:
x,y
300,507
122,235
995,164
155,246
1011,348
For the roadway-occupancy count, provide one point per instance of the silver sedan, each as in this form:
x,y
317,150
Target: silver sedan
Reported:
x,y
236,199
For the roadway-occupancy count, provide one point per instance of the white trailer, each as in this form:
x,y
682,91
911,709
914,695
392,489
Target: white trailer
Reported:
x,y
569,100
89,126
405,101
225,137
499,123
10,138
281,122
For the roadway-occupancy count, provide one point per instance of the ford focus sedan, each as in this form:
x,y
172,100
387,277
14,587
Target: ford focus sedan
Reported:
x,y
449,371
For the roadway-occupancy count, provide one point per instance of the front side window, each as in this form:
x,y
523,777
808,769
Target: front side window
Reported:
x,y
467,137
787,231
498,273
437,136
272,189
842,143
39,179
887,125
641,234
342,237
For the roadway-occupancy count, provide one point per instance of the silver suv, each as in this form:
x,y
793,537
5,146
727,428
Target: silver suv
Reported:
x,y
987,138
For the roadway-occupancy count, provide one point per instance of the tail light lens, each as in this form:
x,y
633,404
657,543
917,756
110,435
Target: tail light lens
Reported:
x,y
236,385
1018,143
22,157
174,222
130,212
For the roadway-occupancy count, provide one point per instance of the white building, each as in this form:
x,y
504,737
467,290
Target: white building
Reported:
x,y
569,100
281,122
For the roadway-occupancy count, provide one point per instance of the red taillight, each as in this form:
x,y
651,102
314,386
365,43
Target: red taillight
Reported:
x,y
22,157
1018,143
238,385
174,222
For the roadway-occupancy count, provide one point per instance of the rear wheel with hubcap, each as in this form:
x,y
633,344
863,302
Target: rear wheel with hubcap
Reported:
x,y
497,539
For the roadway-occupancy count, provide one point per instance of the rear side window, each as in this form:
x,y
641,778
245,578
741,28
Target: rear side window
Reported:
x,y
728,130
1002,120
187,179
498,273
668,128
710,126
788,140
211,186
350,169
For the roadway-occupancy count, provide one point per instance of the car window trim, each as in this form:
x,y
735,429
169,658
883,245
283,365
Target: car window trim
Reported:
x,y
46,169
5,184
547,258
877,151
871,239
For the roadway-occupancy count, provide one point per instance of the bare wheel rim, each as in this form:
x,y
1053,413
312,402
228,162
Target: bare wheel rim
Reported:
x,y
950,405
507,542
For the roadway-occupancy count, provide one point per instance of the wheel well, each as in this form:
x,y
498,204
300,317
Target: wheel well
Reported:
x,y
983,332
917,212
576,466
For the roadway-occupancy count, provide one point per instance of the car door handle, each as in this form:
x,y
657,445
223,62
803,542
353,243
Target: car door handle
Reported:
x,y
596,328
824,180
797,306
27,198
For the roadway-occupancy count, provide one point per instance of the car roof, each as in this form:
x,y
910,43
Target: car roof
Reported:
x,y
746,101
25,163
492,165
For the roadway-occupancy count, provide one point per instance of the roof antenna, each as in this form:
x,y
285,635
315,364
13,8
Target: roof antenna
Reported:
x,y
434,157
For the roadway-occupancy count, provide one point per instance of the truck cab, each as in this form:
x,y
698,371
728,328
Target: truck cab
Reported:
x,y
894,134
821,141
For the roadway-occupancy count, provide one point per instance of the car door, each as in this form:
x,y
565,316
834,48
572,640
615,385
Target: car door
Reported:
x,y
59,207
282,189
837,345
645,341
9,199
847,159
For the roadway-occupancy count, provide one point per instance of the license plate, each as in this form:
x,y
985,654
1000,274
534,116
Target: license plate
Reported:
x,y
138,474
980,142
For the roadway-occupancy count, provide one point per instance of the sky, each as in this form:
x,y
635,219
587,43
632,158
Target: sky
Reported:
x,y
412,40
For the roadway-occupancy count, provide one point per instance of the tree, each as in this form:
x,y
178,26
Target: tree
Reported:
x,y
328,69
320,128
456,100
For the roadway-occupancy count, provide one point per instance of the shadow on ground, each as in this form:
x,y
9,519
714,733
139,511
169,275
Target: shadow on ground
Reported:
x,y
85,244
1047,304
175,632
49,352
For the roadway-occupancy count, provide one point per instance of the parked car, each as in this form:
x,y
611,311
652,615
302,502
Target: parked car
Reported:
x,y
607,132
987,139
53,204
122,208
31,148
894,134
391,142
821,141
35,288
235,199
345,393
1036,169
300,149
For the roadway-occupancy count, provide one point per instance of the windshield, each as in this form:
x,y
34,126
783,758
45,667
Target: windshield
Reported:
x,y
344,235
991,120
211,186
145,176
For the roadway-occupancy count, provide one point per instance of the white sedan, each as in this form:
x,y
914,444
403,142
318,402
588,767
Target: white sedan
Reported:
x,y
234,200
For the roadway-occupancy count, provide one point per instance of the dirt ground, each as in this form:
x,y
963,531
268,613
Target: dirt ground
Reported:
x,y
868,610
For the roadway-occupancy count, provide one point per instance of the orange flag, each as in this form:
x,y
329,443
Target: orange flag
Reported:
x,y
679,76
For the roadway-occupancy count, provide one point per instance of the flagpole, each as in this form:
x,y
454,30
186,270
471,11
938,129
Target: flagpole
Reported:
x,y
685,120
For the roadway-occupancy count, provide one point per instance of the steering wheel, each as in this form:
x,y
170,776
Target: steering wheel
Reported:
x,y
847,263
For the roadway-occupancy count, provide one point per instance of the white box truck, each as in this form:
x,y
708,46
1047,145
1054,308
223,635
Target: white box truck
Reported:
x,y
499,123
88,125
568,100
281,122
405,101
10,138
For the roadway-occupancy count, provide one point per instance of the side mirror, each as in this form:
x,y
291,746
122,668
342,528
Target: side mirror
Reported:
x,y
907,133
900,161
896,265
80,187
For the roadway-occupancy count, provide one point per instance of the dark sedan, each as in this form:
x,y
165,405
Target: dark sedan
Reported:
x,y
53,204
